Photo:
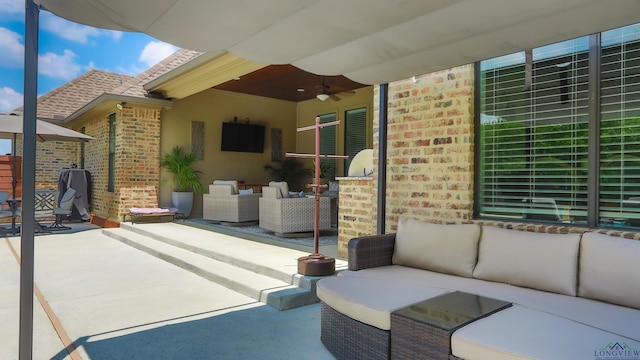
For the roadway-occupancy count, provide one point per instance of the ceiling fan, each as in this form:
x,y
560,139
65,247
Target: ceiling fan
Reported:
x,y
323,93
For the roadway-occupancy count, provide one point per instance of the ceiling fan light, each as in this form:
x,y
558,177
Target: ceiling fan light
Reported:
x,y
322,97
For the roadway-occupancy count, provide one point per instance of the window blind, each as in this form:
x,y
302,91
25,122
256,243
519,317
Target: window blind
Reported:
x,y
620,127
328,142
355,134
533,139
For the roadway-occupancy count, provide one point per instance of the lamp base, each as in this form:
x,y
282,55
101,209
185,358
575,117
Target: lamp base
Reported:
x,y
316,265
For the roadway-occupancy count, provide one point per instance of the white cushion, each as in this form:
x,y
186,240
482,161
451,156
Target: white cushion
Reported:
x,y
541,261
613,318
449,249
233,183
282,186
522,333
610,269
371,301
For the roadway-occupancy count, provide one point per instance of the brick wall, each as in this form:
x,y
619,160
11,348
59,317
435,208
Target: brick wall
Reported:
x,y
138,158
355,213
429,155
97,163
137,161
51,157
430,148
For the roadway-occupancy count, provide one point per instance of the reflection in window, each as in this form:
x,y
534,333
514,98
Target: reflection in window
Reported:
x,y
533,141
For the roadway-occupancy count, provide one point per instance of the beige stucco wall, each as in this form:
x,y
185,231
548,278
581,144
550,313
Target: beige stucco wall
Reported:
x,y
213,107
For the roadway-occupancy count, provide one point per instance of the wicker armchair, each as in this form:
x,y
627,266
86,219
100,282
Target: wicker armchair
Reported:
x,y
290,215
223,203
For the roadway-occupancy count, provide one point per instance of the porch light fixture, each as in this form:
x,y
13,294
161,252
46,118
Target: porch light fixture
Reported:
x,y
322,97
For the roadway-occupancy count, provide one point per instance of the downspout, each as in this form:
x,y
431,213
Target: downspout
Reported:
x,y
382,157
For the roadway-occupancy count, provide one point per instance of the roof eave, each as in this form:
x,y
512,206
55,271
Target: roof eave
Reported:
x,y
201,73
103,103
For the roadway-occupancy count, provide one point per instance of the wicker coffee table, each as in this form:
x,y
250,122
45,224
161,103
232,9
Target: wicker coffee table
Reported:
x,y
423,330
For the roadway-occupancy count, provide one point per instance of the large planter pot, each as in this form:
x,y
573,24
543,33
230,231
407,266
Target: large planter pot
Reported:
x,y
183,200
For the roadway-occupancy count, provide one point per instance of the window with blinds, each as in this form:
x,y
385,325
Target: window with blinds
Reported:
x,y
328,143
355,134
112,153
534,133
534,126
620,127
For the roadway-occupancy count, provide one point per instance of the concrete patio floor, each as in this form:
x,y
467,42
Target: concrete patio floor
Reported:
x,y
112,301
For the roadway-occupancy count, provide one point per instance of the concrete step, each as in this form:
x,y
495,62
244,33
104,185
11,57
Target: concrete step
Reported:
x,y
250,268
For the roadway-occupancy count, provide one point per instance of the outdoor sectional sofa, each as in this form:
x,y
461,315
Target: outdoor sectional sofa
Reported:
x,y
568,296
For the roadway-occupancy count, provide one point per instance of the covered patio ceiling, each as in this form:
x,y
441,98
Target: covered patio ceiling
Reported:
x,y
368,42
287,82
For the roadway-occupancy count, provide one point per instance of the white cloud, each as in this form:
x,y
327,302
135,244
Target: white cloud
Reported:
x,y
59,66
11,48
12,6
9,99
66,29
116,35
156,51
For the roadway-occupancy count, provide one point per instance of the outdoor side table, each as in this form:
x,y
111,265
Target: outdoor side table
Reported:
x,y
423,330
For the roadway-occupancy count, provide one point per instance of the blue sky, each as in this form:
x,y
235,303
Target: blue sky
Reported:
x,y
66,51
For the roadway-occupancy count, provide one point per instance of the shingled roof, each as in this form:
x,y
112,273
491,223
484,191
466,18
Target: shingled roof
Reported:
x,y
134,87
68,98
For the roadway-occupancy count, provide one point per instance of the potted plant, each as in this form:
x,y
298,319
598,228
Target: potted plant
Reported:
x,y
185,181
326,168
291,171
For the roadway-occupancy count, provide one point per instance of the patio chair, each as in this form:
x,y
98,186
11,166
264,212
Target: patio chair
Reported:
x,y
45,203
283,214
63,210
5,212
11,211
544,209
226,204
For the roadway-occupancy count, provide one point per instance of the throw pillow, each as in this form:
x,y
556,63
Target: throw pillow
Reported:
x,y
233,183
609,269
540,261
245,192
333,186
282,186
449,249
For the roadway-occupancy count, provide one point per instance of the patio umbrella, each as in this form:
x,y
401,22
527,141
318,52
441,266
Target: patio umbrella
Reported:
x,y
11,128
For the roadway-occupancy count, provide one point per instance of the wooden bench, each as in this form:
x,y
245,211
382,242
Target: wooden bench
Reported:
x,y
135,213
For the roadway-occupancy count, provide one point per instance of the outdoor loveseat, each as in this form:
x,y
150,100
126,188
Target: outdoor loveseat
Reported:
x,y
520,295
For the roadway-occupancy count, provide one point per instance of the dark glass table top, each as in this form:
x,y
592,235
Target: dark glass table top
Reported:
x,y
452,310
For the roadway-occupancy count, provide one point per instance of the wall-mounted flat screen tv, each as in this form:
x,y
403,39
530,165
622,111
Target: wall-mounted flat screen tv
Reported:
x,y
242,137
